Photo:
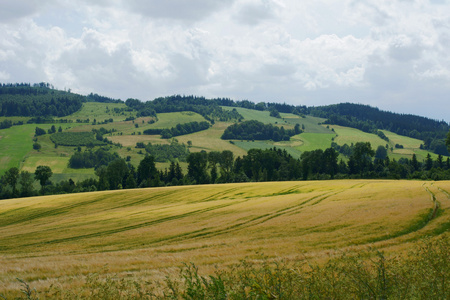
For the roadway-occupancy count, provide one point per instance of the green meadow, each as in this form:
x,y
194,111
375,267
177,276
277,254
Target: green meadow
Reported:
x,y
313,141
101,112
251,114
15,143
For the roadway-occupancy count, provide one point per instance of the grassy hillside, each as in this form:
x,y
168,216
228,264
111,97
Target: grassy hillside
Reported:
x,y
311,124
16,142
147,232
101,112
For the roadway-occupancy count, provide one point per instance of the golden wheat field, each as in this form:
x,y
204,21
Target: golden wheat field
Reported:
x,y
149,233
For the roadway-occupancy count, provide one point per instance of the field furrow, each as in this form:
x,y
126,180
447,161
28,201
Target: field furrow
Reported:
x,y
45,238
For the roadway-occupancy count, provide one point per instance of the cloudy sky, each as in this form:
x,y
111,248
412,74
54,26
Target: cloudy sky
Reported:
x,y
393,54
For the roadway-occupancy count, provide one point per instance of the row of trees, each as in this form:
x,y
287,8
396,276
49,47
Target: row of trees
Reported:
x,y
209,109
180,129
255,130
33,101
163,152
91,159
221,167
23,179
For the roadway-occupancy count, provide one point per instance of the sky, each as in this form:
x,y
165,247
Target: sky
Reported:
x,y
391,54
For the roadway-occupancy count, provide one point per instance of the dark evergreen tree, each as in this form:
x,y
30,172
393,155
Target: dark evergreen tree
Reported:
x,y
39,131
428,162
414,163
146,172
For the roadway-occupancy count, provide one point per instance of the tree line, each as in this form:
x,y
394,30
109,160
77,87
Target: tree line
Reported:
x,y
222,167
179,129
43,101
255,130
33,101
209,109
163,152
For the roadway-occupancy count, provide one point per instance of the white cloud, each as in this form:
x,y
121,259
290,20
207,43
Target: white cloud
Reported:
x,y
256,11
392,54
192,10
12,10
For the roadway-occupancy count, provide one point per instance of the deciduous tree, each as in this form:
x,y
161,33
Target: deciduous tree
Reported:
x,y
11,176
43,173
26,183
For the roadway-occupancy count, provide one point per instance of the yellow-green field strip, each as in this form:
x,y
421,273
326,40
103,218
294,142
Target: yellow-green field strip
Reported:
x,y
153,230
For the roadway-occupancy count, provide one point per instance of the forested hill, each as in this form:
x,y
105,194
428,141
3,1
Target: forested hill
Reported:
x,y
363,117
37,100
42,100
369,118
208,108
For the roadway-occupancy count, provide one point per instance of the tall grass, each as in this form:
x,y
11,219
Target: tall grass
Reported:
x,y
423,273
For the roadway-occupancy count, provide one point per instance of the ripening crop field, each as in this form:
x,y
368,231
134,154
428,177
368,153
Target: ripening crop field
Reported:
x,y
149,233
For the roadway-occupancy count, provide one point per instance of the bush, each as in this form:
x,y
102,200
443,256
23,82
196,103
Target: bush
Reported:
x,y
39,131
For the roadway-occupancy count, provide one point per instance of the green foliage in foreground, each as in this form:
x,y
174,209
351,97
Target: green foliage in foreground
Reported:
x,y
422,274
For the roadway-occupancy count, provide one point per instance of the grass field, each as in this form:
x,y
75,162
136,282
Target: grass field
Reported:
x,y
289,120
15,143
15,119
147,233
209,140
250,114
312,125
168,120
100,112
313,141
347,135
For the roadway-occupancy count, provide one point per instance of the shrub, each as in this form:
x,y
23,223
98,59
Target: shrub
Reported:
x,y
424,273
